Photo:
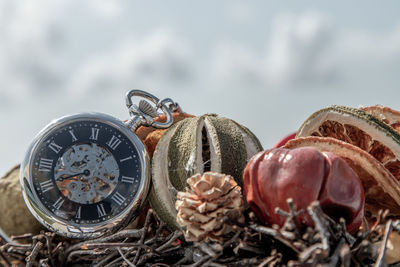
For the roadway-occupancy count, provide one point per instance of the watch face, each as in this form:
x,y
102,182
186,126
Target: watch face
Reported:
x,y
86,171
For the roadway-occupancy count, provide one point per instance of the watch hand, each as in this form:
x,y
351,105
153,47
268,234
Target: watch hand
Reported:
x,y
68,177
85,172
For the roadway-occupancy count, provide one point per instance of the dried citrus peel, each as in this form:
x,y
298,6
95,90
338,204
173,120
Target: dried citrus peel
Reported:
x,y
356,127
385,114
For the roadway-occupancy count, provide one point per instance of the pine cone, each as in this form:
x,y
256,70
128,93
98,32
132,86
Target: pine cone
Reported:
x,y
209,206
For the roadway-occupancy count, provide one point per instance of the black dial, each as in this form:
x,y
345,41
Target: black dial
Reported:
x,y
86,172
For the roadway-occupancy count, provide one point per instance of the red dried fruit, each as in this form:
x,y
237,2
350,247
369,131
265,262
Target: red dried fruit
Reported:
x,y
303,174
381,188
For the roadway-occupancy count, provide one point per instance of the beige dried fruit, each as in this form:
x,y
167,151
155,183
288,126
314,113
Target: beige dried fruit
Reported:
x,y
204,208
392,254
15,218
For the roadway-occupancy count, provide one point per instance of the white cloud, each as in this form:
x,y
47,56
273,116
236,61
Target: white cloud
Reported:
x,y
29,47
107,9
154,61
359,47
297,49
63,46
36,43
236,64
307,51
295,54
239,12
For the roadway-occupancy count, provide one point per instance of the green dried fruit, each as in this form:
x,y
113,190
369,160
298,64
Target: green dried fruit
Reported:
x,y
197,145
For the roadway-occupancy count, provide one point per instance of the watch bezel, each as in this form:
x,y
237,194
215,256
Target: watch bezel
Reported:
x,y
74,230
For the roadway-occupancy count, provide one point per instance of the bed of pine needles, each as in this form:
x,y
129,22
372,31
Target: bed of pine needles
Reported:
x,y
326,244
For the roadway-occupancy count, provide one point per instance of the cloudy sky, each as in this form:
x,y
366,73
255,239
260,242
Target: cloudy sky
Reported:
x,y
265,64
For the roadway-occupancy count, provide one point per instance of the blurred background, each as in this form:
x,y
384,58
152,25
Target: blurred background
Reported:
x,y
265,64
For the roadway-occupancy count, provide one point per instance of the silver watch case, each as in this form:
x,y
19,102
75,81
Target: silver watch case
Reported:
x,y
68,229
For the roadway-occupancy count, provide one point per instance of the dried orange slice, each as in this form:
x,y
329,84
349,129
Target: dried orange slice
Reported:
x,y
385,114
358,128
382,190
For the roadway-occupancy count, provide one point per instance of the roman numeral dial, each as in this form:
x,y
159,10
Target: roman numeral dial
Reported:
x,y
45,165
118,198
100,210
87,172
78,213
94,134
114,142
126,179
56,148
73,135
46,186
57,205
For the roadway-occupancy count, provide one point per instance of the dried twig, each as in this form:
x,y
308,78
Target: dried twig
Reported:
x,y
49,238
172,239
275,234
315,211
35,251
125,259
328,244
22,237
4,259
141,241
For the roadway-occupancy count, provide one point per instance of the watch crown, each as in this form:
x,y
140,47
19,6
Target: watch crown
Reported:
x,y
147,108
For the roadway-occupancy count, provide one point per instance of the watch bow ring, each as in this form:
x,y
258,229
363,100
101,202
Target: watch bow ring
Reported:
x,y
88,174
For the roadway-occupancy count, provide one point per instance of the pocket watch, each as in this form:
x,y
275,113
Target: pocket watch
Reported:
x,y
87,175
